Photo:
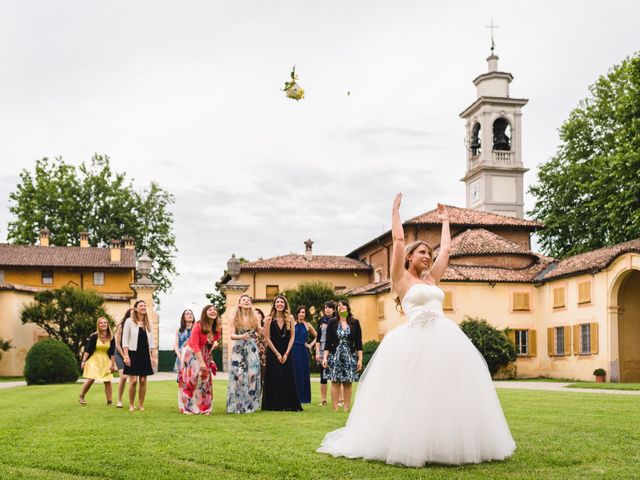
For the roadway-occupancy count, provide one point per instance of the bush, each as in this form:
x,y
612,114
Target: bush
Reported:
x,y
5,346
368,349
599,372
493,344
50,361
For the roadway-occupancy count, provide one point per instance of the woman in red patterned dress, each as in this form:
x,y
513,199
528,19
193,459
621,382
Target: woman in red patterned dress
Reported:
x,y
195,394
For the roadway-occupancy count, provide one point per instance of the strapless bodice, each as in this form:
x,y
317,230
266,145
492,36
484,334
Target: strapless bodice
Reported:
x,y
422,303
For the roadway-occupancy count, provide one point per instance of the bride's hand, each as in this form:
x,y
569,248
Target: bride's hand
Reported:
x,y
396,202
442,213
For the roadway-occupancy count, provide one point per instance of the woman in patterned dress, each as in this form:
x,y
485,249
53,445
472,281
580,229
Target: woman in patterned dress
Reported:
x,y
97,360
343,353
182,335
244,388
195,395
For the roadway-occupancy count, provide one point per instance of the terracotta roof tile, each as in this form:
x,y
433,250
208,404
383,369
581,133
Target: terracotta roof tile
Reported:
x,y
469,217
469,273
370,289
592,261
36,256
478,241
300,262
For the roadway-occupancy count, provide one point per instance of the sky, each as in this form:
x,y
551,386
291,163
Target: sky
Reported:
x,y
188,94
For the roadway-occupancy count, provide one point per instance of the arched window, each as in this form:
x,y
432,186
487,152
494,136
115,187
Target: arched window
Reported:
x,y
501,135
475,140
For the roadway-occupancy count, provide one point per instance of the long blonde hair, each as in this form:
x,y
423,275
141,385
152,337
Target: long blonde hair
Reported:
x,y
254,322
109,332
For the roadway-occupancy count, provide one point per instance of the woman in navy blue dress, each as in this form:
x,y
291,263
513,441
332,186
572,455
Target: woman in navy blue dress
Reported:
x,y
300,353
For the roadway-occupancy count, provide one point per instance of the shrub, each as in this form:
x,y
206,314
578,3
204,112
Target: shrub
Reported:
x,y
368,349
5,346
599,372
493,344
50,361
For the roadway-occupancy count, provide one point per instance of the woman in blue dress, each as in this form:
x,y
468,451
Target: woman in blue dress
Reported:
x,y
182,335
300,353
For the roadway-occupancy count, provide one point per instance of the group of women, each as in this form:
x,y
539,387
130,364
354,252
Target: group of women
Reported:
x,y
130,350
269,365
448,414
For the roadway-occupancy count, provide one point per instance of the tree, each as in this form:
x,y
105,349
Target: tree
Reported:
x,y
493,344
67,314
68,200
588,194
312,295
5,346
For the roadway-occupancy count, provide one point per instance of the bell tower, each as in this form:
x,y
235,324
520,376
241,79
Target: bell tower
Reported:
x,y
493,179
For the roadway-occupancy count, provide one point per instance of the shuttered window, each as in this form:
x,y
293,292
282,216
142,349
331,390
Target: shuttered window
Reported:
x,y
521,302
524,341
558,297
448,301
559,350
380,308
585,339
272,291
584,292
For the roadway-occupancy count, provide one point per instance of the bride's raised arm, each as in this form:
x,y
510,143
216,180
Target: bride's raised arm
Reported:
x,y
397,234
440,265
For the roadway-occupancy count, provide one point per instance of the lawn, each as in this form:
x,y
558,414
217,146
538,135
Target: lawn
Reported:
x,y
44,433
606,386
11,379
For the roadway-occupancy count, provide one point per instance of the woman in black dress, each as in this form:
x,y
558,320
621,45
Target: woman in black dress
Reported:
x,y
139,348
280,392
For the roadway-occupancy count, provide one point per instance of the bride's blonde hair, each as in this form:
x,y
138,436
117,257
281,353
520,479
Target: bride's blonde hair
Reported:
x,y
408,250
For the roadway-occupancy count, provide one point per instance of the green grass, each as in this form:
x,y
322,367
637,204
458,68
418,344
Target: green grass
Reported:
x,y
606,386
44,433
11,379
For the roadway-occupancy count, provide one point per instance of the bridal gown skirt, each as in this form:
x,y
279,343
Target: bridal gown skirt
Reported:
x,y
425,397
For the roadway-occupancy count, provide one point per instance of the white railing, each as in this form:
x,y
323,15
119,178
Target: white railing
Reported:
x,y
502,157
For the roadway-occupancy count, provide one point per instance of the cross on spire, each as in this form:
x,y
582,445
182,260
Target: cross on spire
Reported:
x,y
492,27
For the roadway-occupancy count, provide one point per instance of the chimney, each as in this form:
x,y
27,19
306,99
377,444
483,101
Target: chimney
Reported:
x,y
115,252
44,237
84,239
308,251
129,243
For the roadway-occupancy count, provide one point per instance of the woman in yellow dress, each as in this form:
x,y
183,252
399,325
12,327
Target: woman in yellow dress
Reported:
x,y
98,361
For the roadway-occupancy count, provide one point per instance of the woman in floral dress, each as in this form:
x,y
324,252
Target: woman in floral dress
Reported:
x,y
195,395
343,353
244,388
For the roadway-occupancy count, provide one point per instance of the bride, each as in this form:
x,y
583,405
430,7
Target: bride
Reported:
x,y
426,395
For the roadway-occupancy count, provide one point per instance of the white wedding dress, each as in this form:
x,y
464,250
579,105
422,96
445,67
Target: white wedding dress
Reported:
x,y
425,397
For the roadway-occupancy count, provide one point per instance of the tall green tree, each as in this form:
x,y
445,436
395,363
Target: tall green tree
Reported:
x,y
93,198
311,295
588,194
67,314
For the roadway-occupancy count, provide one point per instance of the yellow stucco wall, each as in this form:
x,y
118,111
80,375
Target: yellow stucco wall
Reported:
x,y
23,337
115,281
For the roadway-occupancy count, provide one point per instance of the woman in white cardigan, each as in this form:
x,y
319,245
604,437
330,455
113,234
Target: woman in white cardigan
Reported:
x,y
140,353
